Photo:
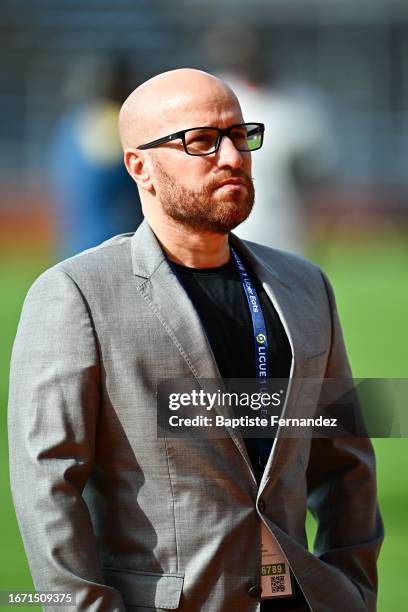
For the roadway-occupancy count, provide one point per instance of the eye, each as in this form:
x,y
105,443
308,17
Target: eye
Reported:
x,y
201,141
240,137
202,138
240,134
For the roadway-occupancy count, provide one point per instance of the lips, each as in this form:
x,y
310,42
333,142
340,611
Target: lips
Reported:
x,y
233,182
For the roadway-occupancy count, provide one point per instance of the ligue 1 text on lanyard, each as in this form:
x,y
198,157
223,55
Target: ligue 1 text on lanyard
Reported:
x,y
258,321
275,572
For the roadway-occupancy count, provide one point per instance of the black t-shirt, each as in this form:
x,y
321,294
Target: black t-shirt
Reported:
x,y
221,303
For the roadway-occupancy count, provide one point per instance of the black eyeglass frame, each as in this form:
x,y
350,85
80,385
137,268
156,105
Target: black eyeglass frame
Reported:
x,y
221,133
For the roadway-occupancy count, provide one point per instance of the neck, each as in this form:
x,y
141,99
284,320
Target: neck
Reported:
x,y
189,247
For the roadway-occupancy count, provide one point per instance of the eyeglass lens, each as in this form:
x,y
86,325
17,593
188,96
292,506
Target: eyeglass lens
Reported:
x,y
203,141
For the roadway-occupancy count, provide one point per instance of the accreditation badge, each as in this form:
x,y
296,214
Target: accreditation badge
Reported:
x,y
275,572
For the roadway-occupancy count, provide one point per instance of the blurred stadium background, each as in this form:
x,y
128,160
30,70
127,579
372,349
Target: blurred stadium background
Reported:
x,y
355,54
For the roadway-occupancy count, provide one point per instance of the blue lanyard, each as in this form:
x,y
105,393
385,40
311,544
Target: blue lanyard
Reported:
x,y
258,321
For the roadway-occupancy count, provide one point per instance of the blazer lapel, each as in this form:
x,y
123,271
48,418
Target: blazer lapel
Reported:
x,y
170,303
289,309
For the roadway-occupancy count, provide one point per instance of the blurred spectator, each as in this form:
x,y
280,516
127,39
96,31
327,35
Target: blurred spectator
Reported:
x,y
94,196
298,152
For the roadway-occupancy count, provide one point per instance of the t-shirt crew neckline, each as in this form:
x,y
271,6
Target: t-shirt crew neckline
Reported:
x,y
224,267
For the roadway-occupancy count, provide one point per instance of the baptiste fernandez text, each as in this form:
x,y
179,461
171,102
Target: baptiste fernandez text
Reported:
x,y
246,421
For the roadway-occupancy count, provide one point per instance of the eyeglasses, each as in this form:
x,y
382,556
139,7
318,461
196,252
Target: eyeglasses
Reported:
x,y
206,140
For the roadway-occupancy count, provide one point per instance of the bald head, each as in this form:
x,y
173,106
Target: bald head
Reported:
x,y
166,101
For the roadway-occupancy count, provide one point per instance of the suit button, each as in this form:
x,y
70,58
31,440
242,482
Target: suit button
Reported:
x,y
255,591
261,505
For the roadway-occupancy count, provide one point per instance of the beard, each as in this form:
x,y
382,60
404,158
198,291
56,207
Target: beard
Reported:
x,y
201,209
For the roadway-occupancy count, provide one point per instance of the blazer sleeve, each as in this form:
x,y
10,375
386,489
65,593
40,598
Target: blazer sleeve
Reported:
x,y
342,491
53,409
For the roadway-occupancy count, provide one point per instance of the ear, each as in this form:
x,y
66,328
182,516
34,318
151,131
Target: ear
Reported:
x,y
137,164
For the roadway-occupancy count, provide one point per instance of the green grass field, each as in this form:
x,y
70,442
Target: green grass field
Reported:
x,y
370,278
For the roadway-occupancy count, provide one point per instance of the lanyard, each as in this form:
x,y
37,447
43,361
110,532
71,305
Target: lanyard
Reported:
x,y
258,321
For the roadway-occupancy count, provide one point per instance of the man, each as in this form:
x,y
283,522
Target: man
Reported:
x,y
129,520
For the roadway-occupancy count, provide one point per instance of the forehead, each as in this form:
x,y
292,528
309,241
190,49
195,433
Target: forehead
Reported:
x,y
213,106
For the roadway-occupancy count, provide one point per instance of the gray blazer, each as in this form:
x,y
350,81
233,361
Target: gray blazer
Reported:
x,y
130,521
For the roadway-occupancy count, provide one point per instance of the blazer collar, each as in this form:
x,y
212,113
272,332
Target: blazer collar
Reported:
x,y
147,255
261,268
146,252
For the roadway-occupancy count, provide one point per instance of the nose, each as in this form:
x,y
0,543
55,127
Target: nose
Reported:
x,y
228,155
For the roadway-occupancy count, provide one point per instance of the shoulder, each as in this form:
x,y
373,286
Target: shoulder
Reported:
x,y
289,267
306,281
94,267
